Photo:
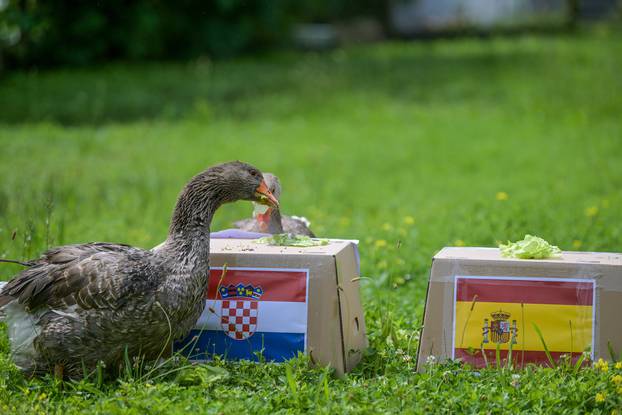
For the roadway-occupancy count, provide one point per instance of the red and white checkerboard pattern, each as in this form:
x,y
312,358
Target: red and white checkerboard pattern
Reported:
x,y
238,318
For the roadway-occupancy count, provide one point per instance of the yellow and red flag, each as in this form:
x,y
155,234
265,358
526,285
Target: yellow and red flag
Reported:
x,y
493,313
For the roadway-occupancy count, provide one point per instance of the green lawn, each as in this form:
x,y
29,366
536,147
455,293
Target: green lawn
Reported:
x,y
364,139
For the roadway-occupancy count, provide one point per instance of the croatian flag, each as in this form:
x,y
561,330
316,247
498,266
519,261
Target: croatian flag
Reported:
x,y
251,312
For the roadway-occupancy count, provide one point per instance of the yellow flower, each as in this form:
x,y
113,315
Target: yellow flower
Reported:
x,y
617,379
591,211
458,242
576,244
502,196
602,365
620,390
409,220
386,226
380,243
618,365
42,396
600,397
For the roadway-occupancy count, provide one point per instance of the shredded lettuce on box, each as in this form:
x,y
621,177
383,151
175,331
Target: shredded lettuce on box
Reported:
x,y
531,247
288,239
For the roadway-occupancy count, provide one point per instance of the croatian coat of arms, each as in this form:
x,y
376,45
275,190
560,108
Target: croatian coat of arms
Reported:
x,y
239,312
499,329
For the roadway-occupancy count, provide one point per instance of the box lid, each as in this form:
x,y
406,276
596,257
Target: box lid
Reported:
x,y
235,246
494,254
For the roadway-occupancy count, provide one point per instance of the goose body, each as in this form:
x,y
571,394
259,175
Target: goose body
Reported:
x,y
85,300
270,220
78,305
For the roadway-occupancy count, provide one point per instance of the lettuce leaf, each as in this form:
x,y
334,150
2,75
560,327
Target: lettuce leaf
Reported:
x,y
288,239
531,247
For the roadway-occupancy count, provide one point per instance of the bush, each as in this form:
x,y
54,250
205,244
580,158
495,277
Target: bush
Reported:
x,y
63,32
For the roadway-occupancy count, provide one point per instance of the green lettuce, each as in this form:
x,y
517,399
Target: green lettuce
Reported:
x,y
531,247
288,239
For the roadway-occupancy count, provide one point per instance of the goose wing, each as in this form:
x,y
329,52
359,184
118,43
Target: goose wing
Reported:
x,y
249,225
94,275
296,226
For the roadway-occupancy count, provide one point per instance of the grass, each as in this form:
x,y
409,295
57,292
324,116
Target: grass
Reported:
x,y
408,147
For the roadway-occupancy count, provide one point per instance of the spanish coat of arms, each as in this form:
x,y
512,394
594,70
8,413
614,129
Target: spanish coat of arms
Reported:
x,y
499,329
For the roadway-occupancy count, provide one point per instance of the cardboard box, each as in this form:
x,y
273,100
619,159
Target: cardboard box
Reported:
x,y
274,301
478,301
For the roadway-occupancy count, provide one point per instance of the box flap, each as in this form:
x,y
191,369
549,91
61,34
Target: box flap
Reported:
x,y
351,311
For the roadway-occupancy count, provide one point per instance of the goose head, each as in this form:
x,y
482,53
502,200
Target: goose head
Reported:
x,y
223,183
241,181
268,216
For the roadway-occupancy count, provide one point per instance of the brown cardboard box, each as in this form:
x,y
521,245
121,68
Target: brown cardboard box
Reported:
x,y
286,300
478,302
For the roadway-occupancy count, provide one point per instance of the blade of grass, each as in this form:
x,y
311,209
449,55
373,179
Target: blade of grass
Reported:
x,y
85,373
84,385
571,337
522,359
169,372
481,347
291,381
508,362
100,374
569,364
466,323
128,363
612,353
546,349
579,363
326,390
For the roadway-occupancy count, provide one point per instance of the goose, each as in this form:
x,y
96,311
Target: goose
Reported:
x,y
270,220
78,305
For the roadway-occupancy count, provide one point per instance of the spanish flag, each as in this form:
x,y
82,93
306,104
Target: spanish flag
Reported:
x,y
503,312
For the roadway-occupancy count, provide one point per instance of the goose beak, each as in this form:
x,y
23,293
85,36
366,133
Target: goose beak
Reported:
x,y
265,197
